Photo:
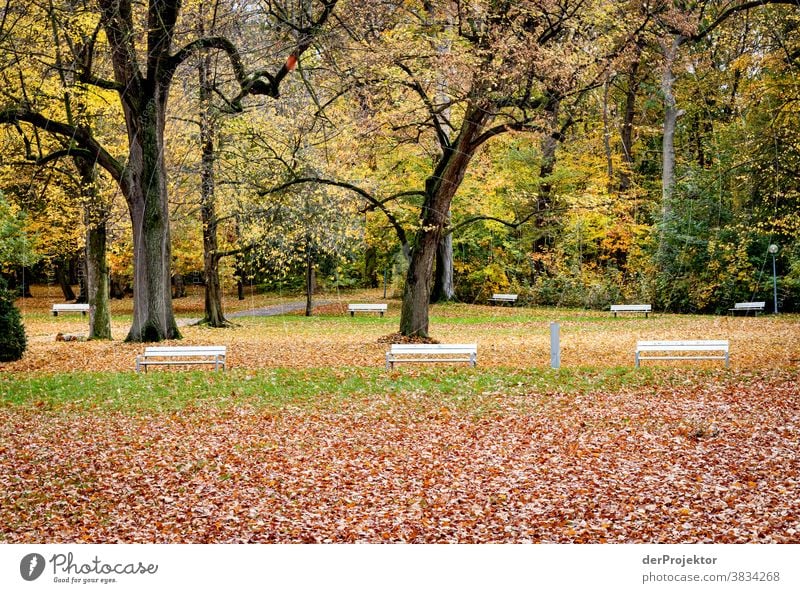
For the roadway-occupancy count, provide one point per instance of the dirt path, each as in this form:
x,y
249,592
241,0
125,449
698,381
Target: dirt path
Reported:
x,y
281,309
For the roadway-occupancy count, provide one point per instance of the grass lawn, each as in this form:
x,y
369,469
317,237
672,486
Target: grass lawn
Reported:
x,y
307,438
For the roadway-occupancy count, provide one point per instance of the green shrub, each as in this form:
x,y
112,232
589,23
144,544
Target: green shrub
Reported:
x,y
12,333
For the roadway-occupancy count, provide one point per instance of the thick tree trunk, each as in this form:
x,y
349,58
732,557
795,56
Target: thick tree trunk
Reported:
x,y
146,193
153,317
213,312
97,282
214,316
439,189
96,285
63,281
179,286
671,115
443,286
144,94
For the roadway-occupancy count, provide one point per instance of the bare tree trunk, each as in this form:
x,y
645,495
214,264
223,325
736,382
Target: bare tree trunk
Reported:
x,y
213,313
153,315
444,287
626,134
310,284
671,115
97,279
214,316
439,191
607,138
63,281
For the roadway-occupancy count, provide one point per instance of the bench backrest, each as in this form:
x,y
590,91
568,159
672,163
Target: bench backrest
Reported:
x,y
71,307
185,351
434,348
677,345
367,307
753,305
501,296
631,307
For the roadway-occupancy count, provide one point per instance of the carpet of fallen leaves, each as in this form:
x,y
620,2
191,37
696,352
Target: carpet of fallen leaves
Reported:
x,y
698,463
712,458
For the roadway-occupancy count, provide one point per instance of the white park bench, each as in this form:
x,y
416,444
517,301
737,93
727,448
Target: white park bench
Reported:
x,y
367,307
82,308
755,307
432,353
631,309
681,349
179,355
503,298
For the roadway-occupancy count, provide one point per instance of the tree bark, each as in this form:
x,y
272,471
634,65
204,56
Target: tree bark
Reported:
x,y
97,282
626,134
144,95
63,281
311,282
671,115
439,191
97,272
213,313
443,286
153,315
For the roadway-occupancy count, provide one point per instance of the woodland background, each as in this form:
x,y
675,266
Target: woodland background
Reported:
x,y
632,151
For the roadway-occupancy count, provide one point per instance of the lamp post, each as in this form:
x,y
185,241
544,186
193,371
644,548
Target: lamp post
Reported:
x,y
773,249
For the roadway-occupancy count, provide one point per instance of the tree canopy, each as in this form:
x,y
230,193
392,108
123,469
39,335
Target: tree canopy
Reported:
x,y
577,152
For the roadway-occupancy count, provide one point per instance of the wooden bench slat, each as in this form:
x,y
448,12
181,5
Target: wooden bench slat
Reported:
x,y
674,346
180,355
503,298
82,308
754,306
367,307
403,352
640,308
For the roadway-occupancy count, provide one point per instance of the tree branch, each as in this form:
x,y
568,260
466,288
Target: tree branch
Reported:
x,y
88,145
378,204
514,225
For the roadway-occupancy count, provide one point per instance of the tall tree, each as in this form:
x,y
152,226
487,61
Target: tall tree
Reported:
x,y
510,65
142,78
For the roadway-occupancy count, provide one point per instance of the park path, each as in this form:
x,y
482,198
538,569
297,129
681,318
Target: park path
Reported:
x,y
268,311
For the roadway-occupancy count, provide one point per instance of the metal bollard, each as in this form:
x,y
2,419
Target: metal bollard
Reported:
x,y
555,345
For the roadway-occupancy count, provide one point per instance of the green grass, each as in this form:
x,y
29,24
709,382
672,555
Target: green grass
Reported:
x,y
319,388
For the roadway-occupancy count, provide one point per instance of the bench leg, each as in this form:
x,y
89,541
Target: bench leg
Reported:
x,y
381,313
389,363
636,355
727,360
352,313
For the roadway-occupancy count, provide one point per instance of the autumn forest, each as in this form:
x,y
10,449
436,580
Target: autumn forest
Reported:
x,y
198,172
576,153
